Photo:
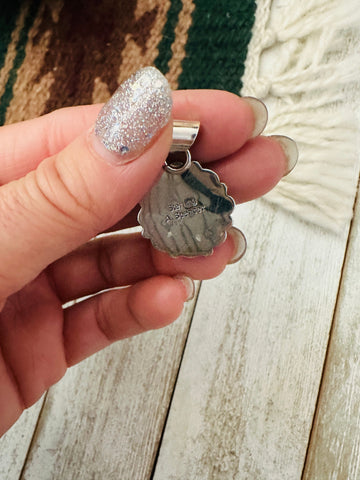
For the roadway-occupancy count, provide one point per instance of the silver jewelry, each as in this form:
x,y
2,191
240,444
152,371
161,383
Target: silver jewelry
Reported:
x,y
187,212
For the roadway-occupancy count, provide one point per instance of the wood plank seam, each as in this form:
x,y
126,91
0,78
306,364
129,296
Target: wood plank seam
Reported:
x,y
33,436
174,387
336,306
42,418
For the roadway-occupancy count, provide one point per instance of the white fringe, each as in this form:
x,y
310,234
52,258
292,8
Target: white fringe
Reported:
x,y
304,62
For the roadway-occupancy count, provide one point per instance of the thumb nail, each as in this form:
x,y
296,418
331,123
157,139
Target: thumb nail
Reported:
x,y
136,112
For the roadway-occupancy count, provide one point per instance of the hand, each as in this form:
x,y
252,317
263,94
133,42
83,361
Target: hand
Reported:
x,y
57,193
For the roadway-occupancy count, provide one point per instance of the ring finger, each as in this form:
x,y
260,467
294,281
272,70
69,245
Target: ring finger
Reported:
x,y
121,260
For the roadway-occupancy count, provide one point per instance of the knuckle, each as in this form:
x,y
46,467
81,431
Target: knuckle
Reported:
x,y
12,201
106,312
105,264
102,314
188,103
66,194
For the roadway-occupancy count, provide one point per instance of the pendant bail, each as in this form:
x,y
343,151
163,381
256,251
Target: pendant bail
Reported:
x,y
184,134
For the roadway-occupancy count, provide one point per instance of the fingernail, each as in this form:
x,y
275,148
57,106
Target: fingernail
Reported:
x,y
260,114
290,149
189,286
137,111
240,244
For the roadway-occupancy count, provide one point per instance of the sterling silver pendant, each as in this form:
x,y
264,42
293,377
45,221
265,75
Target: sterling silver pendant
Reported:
x,y
187,212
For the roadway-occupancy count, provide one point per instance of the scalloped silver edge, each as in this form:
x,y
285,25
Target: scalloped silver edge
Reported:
x,y
222,185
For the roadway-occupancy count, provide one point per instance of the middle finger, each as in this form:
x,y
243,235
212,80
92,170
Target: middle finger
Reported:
x,y
248,173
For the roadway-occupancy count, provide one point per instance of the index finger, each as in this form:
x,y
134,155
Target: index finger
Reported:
x,y
227,122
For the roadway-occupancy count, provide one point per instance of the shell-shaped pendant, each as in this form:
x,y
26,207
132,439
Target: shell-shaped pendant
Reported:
x,y
186,214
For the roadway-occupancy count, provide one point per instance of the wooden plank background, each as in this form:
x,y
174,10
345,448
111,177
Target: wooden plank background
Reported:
x,y
334,451
247,390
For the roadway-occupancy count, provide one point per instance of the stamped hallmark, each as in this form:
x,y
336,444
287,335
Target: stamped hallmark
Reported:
x,y
187,212
180,211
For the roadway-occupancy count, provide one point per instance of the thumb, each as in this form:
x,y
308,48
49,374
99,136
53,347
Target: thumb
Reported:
x,y
88,186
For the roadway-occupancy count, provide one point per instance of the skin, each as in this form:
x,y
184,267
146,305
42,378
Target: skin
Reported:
x,y
56,194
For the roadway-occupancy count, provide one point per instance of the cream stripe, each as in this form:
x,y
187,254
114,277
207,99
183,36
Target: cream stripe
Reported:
x,y
178,46
11,52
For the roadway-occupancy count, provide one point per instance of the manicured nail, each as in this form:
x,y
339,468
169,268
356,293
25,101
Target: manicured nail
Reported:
x,y
260,114
137,111
290,149
239,242
188,284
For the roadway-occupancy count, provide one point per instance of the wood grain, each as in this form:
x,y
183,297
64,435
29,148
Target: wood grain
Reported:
x,y
248,385
334,451
14,445
105,418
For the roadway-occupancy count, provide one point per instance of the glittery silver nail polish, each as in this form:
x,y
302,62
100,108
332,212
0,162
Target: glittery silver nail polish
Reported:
x,y
139,108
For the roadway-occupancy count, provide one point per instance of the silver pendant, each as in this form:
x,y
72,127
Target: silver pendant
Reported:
x,y
187,212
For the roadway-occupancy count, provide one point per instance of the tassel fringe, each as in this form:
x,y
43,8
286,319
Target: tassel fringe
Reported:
x,y
304,62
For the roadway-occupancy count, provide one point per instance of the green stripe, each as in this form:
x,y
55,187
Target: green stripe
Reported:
x,y
19,58
168,37
8,15
217,44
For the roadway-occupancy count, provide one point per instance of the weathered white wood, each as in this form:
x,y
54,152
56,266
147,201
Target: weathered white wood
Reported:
x,y
14,445
247,389
334,451
105,418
